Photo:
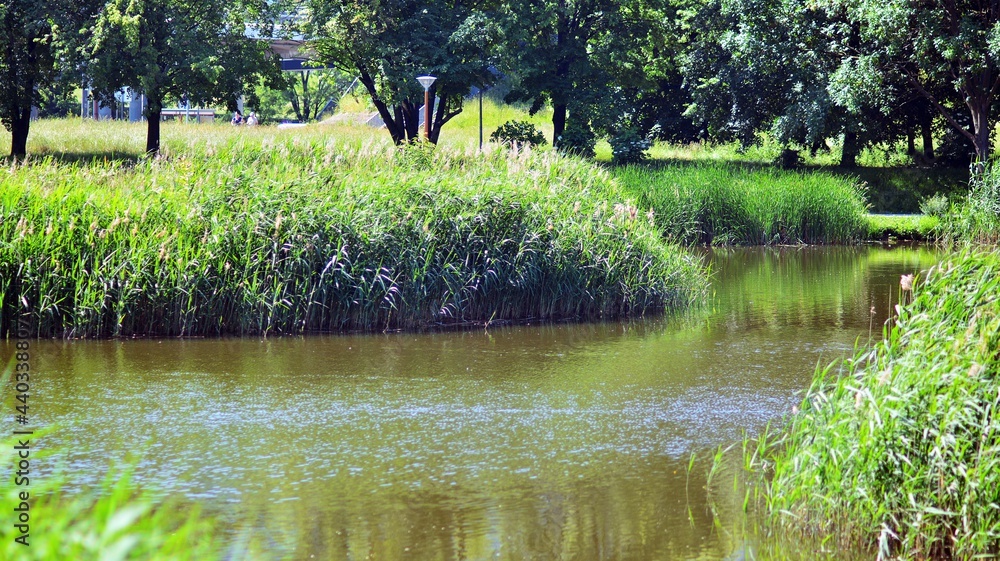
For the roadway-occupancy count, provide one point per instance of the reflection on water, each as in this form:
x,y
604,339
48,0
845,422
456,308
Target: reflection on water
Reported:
x,y
552,442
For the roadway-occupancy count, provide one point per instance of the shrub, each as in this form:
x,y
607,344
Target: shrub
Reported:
x,y
628,147
297,235
936,205
519,133
578,140
977,219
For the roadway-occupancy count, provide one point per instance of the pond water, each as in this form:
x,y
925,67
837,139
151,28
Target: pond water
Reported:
x,y
528,442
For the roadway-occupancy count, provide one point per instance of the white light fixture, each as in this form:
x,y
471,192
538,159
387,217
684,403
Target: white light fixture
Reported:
x,y
426,81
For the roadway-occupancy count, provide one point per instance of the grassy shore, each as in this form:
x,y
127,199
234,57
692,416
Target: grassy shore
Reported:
x,y
900,451
252,232
724,204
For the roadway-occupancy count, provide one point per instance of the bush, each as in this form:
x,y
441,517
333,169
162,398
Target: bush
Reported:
x,y
628,147
578,140
519,133
721,204
934,206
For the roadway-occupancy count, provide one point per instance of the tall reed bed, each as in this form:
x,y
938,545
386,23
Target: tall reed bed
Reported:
x,y
254,234
900,452
720,204
977,218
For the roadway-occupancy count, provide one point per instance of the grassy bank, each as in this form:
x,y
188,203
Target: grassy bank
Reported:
x,y
722,204
901,452
251,233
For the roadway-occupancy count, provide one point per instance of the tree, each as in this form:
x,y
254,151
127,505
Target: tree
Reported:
x,y
310,92
930,44
388,43
198,49
33,40
549,49
774,66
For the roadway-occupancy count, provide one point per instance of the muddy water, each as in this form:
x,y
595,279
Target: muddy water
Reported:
x,y
529,442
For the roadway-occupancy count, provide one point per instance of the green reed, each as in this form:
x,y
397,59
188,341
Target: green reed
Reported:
x,y
113,521
898,449
724,204
247,233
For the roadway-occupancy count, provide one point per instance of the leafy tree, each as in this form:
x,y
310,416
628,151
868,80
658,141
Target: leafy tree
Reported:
x,y
34,37
310,92
387,44
173,48
947,50
774,66
549,57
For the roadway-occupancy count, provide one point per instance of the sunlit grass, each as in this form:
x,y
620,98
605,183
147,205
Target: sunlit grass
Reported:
x,y
721,204
249,231
898,449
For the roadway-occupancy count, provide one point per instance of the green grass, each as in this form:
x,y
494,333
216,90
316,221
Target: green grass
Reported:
x,y
722,204
902,226
112,522
900,451
245,232
976,218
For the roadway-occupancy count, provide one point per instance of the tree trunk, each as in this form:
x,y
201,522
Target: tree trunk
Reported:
x,y
19,133
153,129
393,120
911,147
927,135
980,123
410,115
558,122
849,156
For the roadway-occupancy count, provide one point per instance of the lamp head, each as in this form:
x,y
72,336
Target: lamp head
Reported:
x,y
426,81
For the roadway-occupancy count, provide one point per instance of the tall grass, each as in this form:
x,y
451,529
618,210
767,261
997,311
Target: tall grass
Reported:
x,y
112,522
901,451
243,233
977,218
722,204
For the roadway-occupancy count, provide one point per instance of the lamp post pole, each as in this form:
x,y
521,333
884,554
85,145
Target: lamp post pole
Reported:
x,y
426,82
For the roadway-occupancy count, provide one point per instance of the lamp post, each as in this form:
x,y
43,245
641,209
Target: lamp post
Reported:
x,y
426,82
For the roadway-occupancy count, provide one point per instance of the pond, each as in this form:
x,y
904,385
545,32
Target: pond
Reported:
x,y
540,442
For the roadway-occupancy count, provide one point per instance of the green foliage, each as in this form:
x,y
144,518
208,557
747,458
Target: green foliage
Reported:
x,y
112,522
977,219
578,140
521,133
313,92
628,147
35,37
903,226
249,234
936,205
388,44
173,48
945,50
722,204
899,451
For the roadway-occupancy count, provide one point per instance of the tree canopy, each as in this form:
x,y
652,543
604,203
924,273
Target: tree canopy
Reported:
x,y
387,44
859,72
198,49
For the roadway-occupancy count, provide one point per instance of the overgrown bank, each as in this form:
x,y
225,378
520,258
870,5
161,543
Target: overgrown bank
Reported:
x,y
723,204
256,235
901,453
